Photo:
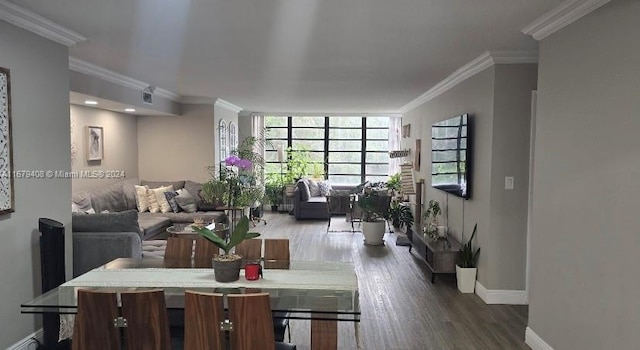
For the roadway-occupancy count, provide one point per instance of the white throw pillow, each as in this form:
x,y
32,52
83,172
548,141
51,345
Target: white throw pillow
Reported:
x,y
161,199
154,206
142,201
314,189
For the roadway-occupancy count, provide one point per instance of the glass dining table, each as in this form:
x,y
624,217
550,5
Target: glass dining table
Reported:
x,y
324,292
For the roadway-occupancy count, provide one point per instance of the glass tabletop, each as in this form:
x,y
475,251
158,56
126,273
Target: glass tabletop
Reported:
x,y
300,298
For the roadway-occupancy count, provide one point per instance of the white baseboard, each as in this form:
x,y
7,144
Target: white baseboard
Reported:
x,y
534,341
501,296
27,343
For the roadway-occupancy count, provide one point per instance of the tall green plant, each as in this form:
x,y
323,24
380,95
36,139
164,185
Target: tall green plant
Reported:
x,y
401,215
394,182
468,258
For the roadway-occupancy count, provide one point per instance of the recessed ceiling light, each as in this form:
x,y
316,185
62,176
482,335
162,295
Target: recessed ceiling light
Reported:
x,y
91,102
129,110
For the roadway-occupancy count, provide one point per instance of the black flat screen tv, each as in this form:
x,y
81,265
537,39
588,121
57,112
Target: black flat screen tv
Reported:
x,y
451,155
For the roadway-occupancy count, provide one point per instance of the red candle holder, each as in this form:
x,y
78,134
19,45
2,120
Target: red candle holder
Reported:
x,y
252,271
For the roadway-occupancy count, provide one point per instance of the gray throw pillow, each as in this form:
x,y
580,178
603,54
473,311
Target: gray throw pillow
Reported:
x,y
124,221
155,184
171,198
186,201
303,188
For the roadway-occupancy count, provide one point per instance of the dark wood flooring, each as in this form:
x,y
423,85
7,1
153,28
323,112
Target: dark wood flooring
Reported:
x,y
401,308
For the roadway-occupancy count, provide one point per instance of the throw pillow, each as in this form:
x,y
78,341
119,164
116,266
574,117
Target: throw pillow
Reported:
x,y
186,201
163,204
142,201
171,198
325,188
314,189
154,207
303,188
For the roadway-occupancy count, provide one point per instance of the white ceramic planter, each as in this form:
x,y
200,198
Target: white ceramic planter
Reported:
x,y
466,279
373,232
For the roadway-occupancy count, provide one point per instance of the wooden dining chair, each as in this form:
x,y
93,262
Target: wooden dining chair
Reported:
x,y
205,250
179,248
144,321
94,323
204,313
250,249
276,254
147,322
252,323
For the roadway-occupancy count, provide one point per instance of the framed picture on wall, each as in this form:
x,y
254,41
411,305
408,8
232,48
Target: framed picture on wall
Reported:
x,y
6,150
95,143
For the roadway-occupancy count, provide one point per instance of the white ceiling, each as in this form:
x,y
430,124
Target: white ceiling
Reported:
x,y
293,55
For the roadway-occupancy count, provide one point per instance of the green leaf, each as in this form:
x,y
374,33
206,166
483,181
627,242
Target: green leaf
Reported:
x,y
211,236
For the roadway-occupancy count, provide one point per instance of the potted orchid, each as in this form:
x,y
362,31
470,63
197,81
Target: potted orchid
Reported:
x,y
237,175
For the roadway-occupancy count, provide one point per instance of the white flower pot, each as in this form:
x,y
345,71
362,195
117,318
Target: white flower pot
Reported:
x,y
466,279
373,232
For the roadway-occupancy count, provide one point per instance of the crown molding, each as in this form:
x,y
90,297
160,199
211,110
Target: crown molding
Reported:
x,y
561,16
37,24
326,114
482,62
227,105
197,100
91,69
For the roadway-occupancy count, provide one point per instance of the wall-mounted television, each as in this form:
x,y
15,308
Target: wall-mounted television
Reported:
x,y
451,155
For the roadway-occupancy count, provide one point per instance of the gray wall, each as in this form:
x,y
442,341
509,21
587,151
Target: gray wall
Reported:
x,y
584,284
499,99
40,117
177,148
120,145
510,157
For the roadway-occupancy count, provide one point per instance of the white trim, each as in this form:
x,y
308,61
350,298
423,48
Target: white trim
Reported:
x,y
326,114
534,341
560,17
197,100
484,61
37,24
227,105
26,342
91,69
501,296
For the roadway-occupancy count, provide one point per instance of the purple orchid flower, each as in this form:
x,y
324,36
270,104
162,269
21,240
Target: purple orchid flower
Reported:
x,y
244,164
232,160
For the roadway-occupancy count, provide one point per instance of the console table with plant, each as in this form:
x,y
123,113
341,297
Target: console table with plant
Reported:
x,y
440,253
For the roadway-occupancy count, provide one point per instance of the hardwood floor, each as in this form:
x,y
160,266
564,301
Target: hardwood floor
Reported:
x,y
401,308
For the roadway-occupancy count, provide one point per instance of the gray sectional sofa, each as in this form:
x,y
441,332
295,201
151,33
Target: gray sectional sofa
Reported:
x,y
117,229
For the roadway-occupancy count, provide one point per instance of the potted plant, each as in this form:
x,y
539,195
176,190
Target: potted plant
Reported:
x,y
227,266
431,218
394,183
401,216
374,203
466,269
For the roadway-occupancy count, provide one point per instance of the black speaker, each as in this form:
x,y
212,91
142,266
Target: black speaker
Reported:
x,y
53,275
51,253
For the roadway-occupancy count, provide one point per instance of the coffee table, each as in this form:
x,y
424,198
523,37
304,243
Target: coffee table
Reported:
x,y
185,230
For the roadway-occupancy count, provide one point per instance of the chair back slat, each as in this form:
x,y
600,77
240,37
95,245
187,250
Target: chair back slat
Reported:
x,y
147,321
276,254
179,248
252,322
250,249
205,251
203,314
93,327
